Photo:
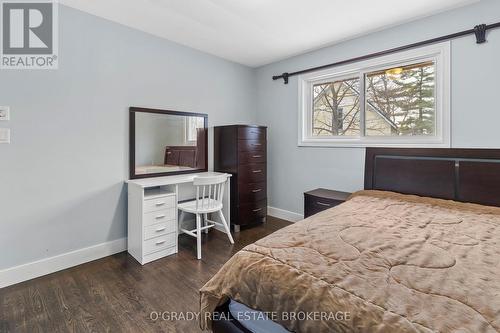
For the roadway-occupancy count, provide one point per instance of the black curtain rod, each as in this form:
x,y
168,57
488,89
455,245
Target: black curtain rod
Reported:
x,y
479,31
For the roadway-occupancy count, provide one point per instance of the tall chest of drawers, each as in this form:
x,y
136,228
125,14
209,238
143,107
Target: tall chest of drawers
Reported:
x,y
241,150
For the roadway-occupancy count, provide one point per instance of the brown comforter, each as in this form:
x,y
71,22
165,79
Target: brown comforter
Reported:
x,y
387,262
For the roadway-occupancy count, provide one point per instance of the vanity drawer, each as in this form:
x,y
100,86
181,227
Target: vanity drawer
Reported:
x,y
251,145
159,243
252,213
161,203
252,157
164,215
252,192
159,229
252,173
252,133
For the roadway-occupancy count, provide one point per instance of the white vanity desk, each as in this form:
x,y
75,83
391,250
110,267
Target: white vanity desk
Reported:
x,y
153,215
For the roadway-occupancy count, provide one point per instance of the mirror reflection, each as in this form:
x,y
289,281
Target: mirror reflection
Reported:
x,y
169,143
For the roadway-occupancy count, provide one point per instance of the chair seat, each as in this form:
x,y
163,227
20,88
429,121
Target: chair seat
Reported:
x,y
190,206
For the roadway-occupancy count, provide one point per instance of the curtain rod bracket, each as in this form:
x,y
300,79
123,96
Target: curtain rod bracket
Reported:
x,y
283,76
480,32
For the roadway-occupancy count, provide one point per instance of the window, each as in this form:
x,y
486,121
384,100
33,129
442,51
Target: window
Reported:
x,y
192,124
396,100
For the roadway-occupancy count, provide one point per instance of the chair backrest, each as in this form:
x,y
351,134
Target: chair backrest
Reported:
x,y
209,190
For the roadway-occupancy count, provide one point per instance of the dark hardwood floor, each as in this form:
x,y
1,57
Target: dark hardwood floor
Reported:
x,y
117,294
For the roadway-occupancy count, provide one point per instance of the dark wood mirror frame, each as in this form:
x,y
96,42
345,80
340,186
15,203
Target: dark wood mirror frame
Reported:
x,y
132,113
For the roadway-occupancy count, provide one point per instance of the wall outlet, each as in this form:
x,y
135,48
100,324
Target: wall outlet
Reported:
x,y
4,113
4,135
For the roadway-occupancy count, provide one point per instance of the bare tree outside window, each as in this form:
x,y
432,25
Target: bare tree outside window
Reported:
x,y
336,108
400,101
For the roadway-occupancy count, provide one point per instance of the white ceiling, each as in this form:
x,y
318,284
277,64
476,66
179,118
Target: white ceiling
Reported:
x,y
258,32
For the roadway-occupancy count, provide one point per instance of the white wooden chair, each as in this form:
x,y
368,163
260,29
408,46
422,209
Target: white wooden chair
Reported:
x,y
209,194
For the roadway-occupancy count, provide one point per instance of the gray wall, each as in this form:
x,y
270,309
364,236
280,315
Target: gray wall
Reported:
x,y
475,111
61,179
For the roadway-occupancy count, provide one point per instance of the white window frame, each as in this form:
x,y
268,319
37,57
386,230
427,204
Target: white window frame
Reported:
x,y
439,53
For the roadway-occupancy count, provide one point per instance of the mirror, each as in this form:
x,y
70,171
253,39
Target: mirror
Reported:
x,y
166,142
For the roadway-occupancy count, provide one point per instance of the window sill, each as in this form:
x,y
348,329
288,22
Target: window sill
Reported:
x,y
357,143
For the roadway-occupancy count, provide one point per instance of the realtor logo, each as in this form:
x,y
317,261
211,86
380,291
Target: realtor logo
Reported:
x,y
29,34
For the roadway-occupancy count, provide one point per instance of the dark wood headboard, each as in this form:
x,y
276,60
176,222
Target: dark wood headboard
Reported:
x,y
181,156
467,175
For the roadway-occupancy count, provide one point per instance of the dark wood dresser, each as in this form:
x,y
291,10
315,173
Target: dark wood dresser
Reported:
x,y
241,151
320,199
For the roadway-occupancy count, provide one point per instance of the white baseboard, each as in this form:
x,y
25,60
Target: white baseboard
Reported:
x,y
284,214
46,266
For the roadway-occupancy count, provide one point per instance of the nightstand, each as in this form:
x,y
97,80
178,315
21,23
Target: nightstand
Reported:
x,y
320,199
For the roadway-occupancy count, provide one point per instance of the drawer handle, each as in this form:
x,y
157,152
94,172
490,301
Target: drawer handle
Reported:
x,y
161,203
323,204
160,242
258,190
257,156
257,171
159,217
257,210
257,144
160,229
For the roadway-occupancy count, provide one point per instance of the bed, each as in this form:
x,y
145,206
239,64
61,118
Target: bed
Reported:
x,y
177,158
416,251
149,169
181,155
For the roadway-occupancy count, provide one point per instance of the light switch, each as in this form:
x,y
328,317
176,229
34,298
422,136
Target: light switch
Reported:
x,y
4,135
4,113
